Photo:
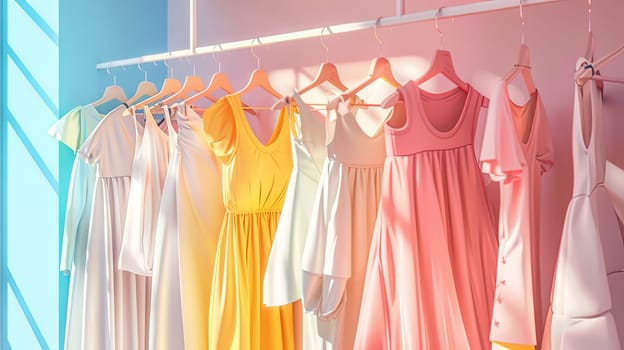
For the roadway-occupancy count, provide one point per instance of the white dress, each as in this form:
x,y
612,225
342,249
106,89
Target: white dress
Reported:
x,y
591,247
186,237
283,275
72,130
148,177
116,308
342,222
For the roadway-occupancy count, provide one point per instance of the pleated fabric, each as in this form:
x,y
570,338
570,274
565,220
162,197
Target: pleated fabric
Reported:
x,y
283,276
73,129
431,272
116,306
341,226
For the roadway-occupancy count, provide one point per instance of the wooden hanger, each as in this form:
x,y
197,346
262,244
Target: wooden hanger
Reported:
x,y
170,86
380,69
145,88
522,67
326,73
443,64
218,81
112,92
192,84
590,69
258,79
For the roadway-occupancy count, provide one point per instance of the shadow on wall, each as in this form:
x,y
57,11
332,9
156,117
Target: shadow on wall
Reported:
x,y
30,175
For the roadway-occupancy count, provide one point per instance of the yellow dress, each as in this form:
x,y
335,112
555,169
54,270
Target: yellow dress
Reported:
x,y
254,180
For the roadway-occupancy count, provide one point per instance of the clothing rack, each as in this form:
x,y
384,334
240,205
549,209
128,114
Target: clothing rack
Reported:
x,y
399,19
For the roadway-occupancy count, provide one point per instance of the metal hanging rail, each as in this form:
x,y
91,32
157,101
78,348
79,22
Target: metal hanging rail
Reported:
x,y
399,19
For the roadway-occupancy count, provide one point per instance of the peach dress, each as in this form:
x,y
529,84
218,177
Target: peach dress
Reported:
x,y
341,226
517,149
431,272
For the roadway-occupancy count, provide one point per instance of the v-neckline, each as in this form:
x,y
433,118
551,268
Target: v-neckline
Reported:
x,y
277,130
350,117
533,99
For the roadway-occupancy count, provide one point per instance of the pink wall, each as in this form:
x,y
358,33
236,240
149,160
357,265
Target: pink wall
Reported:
x,y
484,47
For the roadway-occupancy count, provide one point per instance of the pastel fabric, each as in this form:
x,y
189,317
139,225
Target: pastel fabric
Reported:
x,y
591,249
72,130
255,178
342,223
148,177
431,272
186,238
116,307
517,149
283,275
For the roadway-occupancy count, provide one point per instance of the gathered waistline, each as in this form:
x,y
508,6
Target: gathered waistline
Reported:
x,y
430,151
247,212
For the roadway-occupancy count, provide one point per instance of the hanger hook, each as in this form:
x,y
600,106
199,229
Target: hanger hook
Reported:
x,y
377,34
214,57
589,12
144,72
323,44
437,26
188,60
253,53
522,21
109,73
169,69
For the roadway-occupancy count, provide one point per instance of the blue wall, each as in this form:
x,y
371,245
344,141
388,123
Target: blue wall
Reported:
x,y
49,52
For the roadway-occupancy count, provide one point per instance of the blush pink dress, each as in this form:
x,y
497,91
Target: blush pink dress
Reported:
x,y
517,149
431,271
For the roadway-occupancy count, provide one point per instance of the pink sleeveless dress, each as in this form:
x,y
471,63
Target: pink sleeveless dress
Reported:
x,y
431,272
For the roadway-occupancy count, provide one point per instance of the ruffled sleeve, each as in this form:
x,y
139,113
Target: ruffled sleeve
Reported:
x,y
67,129
220,129
501,153
545,154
